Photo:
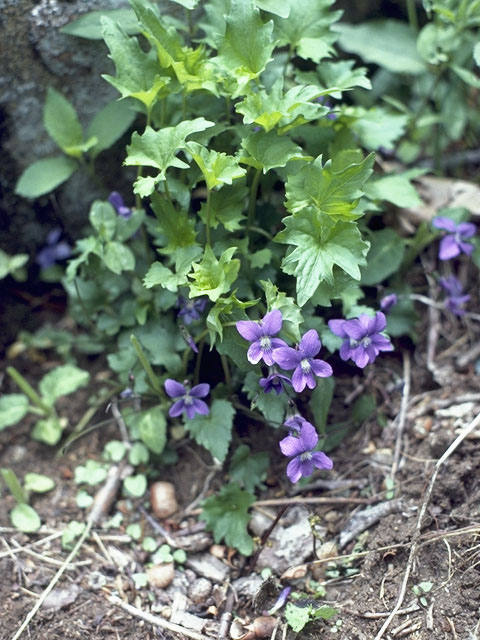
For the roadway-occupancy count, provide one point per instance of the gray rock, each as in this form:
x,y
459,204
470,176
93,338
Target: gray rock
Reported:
x,y
247,586
207,566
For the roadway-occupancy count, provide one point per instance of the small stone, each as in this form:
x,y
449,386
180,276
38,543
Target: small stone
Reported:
x,y
218,550
207,566
199,590
161,575
163,500
248,586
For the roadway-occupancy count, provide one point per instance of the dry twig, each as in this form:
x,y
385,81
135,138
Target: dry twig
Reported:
x,y
156,620
403,413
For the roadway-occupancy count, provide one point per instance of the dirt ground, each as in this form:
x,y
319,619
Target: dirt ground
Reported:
x,y
373,504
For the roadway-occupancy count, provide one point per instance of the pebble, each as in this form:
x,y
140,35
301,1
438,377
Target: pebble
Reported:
x,y
160,575
163,499
248,586
199,590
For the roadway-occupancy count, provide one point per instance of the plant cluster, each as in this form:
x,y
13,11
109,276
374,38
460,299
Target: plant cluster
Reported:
x,y
256,226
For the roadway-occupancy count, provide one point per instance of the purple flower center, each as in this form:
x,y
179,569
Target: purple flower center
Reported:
x,y
306,455
188,400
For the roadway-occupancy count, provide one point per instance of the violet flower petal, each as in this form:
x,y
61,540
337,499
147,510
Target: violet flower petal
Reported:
x,y
310,344
249,330
174,388
447,224
200,390
448,248
272,323
321,460
177,408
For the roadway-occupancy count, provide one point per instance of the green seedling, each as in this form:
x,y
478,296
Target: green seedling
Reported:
x,y
23,516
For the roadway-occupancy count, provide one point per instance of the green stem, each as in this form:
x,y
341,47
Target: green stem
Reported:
x,y
252,200
209,232
261,232
84,308
146,365
228,108
30,392
412,14
16,489
226,371
196,373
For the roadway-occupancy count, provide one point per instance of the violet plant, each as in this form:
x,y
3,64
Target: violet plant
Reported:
x,y
253,181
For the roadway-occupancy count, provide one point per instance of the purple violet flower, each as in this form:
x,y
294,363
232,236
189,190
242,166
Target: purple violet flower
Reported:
x,y
190,310
389,301
275,381
363,340
300,449
261,335
281,600
295,423
302,360
117,202
453,244
188,399
53,251
455,297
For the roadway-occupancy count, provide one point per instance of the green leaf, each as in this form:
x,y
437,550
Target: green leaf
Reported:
x,y
139,75
214,431
91,473
139,454
118,257
272,407
270,108
152,428
73,530
10,478
297,617
247,45
389,43
217,168
281,9
307,29
84,246
62,123
25,518
467,76
334,193
291,314
476,54
13,407
212,277
188,4
44,176
247,469
49,430
135,486
226,514
384,258
89,25
158,148
339,76
320,401
226,206
378,127
62,381
114,450
321,244
83,499
268,150
177,226
38,483
231,309
109,124
10,264
127,227
103,219
260,258
395,189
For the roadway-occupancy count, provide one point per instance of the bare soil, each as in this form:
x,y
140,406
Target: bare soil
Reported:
x,y
443,399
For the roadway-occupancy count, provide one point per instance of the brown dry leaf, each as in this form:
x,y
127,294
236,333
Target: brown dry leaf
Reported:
x,y
439,193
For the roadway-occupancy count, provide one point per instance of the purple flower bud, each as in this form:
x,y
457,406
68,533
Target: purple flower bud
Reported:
x,y
453,244
274,381
300,449
281,600
261,335
303,360
188,339
389,301
363,340
117,202
188,399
